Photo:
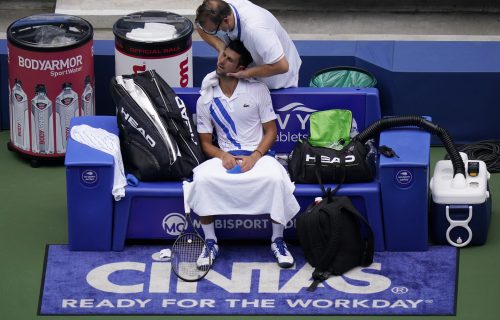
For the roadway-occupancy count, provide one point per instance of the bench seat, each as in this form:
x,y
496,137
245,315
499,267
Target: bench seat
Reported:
x,y
154,210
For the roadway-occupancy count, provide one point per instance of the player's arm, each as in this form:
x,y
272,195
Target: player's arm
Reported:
x,y
264,70
269,137
211,151
265,144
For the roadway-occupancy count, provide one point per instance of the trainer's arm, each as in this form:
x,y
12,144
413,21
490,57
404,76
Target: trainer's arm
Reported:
x,y
264,70
211,151
213,41
265,144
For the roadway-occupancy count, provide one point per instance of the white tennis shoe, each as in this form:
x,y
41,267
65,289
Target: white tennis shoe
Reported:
x,y
280,251
210,250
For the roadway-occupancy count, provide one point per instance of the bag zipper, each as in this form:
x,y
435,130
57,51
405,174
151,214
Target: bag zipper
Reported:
x,y
165,103
168,144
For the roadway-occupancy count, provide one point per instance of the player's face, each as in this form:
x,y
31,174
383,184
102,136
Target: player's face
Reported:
x,y
227,62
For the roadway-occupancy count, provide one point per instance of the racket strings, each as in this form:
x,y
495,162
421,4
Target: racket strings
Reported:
x,y
185,253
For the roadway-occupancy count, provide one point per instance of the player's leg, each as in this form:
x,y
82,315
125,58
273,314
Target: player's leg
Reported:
x,y
279,248
211,249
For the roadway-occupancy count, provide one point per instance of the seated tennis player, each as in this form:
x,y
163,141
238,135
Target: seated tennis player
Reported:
x,y
240,178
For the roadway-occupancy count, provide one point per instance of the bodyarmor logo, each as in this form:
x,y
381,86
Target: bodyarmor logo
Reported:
x,y
326,159
174,223
134,124
35,64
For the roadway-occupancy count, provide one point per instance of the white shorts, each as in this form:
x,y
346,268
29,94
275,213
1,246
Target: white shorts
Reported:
x,y
266,188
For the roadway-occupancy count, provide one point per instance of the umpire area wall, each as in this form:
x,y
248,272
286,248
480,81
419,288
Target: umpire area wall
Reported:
x,y
442,79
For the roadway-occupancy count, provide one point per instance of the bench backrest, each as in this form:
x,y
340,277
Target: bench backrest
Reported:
x,y
293,107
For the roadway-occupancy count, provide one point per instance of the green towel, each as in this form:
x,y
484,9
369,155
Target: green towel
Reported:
x,y
330,128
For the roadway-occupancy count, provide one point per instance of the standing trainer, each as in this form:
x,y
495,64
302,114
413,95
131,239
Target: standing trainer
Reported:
x,y
276,60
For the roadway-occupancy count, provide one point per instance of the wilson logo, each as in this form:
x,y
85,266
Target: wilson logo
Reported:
x,y
137,68
183,73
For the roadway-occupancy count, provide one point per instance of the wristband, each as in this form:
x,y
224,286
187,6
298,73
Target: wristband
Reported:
x,y
261,154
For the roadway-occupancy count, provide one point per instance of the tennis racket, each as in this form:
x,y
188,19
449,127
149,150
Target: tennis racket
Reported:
x,y
188,247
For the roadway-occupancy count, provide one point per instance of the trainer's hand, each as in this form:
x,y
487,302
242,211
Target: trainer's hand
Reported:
x,y
248,162
228,160
242,74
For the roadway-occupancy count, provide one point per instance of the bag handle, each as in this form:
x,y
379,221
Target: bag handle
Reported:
x,y
317,172
369,249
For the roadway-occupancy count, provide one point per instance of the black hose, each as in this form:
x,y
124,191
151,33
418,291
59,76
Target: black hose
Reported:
x,y
375,128
487,151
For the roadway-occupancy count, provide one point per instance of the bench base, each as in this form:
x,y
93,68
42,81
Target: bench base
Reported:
x,y
155,211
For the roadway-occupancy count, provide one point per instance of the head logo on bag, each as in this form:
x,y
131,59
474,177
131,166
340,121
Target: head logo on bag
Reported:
x,y
311,159
185,116
134,124
157,135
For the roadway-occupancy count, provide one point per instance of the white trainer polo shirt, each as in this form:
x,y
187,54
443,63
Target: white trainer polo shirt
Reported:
x,y
266,40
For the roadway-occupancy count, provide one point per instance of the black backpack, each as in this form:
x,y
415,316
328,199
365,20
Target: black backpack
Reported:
x,y
335,237
156,145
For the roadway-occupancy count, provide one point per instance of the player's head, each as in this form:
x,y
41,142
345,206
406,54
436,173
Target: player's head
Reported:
x,y
234,58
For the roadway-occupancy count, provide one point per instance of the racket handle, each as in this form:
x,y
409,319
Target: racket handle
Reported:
x,y
186,188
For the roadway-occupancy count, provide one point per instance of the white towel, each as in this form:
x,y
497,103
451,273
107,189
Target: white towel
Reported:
x,y
153,31
266,188
102,140
207,87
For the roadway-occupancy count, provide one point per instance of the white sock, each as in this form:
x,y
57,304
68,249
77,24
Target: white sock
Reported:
x,y
277,231
209,231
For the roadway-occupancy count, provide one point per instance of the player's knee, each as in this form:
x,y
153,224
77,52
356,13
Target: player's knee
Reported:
x,y
202,179
274,179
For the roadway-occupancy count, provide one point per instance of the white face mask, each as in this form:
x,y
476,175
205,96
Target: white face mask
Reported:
x,y
222,34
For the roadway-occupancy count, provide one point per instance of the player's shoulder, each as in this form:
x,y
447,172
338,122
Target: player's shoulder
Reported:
x,y
201,103
257,86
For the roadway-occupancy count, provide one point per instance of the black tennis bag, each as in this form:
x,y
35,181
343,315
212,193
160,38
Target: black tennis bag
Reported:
x,y
335,237
354,163
158,137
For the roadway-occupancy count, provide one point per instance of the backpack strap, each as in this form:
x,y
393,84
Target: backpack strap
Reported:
x,y
368,251
318,276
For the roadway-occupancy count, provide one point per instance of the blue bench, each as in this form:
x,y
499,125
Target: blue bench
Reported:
x,y
154,210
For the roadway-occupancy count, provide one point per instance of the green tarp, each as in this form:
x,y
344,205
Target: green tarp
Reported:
x,y
343,77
